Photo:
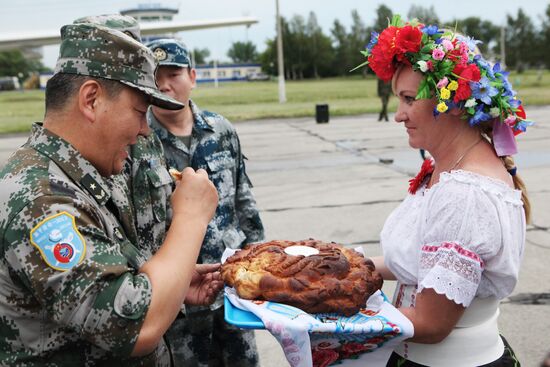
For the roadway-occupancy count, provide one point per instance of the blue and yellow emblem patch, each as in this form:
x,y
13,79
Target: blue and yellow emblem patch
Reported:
x,y
59,242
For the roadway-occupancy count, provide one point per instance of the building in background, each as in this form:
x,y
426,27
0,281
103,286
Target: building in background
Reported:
x,y
151,14
154,12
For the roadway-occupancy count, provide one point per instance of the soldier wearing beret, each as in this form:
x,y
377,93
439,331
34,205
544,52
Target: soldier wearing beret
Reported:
x,y
76,290
206,140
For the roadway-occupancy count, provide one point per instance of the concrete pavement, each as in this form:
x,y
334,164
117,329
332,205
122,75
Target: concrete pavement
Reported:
x,y
327,181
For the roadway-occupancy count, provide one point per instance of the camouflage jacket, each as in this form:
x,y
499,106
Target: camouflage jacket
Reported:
x,y
71,293
150,188
215,147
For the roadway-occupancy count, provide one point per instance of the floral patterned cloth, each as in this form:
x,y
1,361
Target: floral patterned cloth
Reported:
x,y
366,338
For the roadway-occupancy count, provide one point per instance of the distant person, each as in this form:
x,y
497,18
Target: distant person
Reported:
x,y
384,92
201,139
546,361
75,290
456,242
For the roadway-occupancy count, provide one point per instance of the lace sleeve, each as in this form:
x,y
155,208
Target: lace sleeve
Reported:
x,y
460,232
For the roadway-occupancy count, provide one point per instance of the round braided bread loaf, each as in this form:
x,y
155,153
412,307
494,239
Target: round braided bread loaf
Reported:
x,y
337,279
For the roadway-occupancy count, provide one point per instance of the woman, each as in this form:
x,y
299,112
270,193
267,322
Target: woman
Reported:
x,y
455,243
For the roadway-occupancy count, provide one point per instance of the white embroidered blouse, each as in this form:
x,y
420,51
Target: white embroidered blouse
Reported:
x,y
464,237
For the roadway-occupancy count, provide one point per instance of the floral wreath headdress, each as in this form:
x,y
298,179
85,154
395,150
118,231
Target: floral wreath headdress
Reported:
x,y
454,73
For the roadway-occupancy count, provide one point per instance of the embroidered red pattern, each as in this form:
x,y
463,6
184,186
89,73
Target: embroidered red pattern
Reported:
x,y
453,246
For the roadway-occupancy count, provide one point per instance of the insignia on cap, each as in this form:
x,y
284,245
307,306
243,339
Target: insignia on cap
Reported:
x,y
59,241
160,54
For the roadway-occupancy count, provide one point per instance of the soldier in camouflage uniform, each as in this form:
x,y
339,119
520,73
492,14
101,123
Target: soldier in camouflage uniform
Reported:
x,y
201,139
145,176
75,289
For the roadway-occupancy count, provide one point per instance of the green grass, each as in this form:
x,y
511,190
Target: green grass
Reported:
x,y
259,100
18,110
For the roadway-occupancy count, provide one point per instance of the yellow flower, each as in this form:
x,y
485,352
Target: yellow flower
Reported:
x,y
453,85
445,93
442,107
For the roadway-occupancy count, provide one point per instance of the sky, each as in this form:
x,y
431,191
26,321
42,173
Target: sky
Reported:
x,y
29,15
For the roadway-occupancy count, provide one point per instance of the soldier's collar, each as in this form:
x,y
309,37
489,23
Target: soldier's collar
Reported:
x,y
70,161
200,121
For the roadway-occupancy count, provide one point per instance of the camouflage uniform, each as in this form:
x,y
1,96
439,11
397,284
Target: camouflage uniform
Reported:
x,y
90,314
151,186
215,147
145,177
202,337
71,291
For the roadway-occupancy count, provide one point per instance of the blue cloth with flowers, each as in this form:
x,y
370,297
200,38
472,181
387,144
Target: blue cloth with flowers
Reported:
x,y
366,338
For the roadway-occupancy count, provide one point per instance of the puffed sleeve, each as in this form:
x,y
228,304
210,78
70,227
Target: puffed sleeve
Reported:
x,y
58,249
461,233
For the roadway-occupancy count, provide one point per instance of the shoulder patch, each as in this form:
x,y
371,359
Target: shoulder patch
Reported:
x,y
59,241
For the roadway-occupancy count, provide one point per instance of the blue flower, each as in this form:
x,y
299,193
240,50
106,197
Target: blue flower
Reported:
x,y
514,103
471,42
373,40
479,116
484,64
523,124
483,90
430,30
508,91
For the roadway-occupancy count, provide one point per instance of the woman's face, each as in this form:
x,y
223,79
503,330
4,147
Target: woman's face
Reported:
x,y
425,131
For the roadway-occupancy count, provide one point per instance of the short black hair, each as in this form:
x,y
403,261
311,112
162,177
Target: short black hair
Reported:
x,y
62,87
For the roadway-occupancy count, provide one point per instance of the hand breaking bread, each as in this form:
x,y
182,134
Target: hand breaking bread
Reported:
x,y
332,279
176,175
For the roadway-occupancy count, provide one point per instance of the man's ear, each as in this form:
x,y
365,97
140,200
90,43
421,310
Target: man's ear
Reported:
x,y
89,96
193,77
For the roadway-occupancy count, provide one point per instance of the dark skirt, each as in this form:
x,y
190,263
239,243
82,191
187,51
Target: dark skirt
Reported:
x,y
508,359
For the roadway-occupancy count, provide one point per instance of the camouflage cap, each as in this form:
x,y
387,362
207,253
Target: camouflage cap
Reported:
x,y
124,23
98,51
169,51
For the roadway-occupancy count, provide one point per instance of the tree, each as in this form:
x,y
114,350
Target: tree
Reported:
x,y
383,18
14,63
296,47
424,15
200,55
545,38
521,42
241,52
342,48
321,52
358,38
268,58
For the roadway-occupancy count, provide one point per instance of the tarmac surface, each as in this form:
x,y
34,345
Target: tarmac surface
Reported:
x,y
339,181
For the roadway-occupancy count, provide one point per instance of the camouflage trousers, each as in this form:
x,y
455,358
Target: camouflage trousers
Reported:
x,y
203,339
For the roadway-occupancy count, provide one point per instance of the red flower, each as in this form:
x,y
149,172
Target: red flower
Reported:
x,y
382,54
426,169
352,348
324,357
467,73
408,39
386,41
521,112
382,66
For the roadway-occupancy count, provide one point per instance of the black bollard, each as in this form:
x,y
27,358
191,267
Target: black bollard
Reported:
x,y
321,113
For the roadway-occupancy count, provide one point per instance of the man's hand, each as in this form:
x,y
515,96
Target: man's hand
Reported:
x,y
195,198
205,285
